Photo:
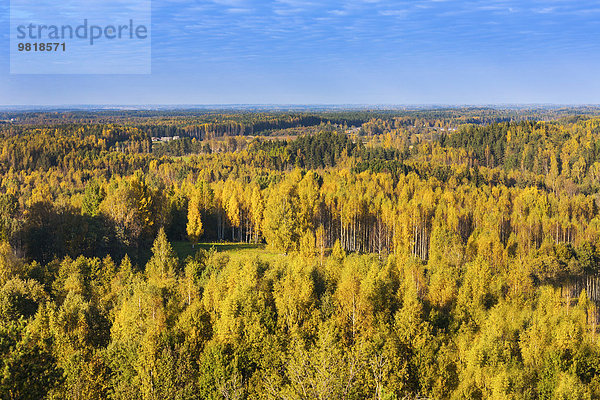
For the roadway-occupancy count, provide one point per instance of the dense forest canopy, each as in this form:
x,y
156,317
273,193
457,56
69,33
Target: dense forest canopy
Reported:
x,y
387,254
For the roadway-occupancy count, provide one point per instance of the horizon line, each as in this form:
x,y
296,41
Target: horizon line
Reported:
x,y
216,106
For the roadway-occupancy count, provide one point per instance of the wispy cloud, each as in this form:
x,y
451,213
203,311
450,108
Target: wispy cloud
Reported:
x,y
382,39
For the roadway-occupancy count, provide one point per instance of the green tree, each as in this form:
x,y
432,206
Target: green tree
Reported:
x,y
92,198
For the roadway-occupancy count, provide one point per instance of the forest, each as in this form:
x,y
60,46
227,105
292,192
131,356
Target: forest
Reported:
x,y
307,254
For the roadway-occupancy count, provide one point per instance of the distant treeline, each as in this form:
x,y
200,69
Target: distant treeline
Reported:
x,y
248,121
209,130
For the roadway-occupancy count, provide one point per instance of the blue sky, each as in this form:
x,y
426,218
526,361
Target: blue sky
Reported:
x,y
345,52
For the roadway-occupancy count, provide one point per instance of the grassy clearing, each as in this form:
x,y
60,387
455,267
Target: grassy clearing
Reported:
x,y
184,249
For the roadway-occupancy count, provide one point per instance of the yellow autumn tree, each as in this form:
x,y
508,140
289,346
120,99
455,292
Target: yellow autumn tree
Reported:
x,y
195,229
